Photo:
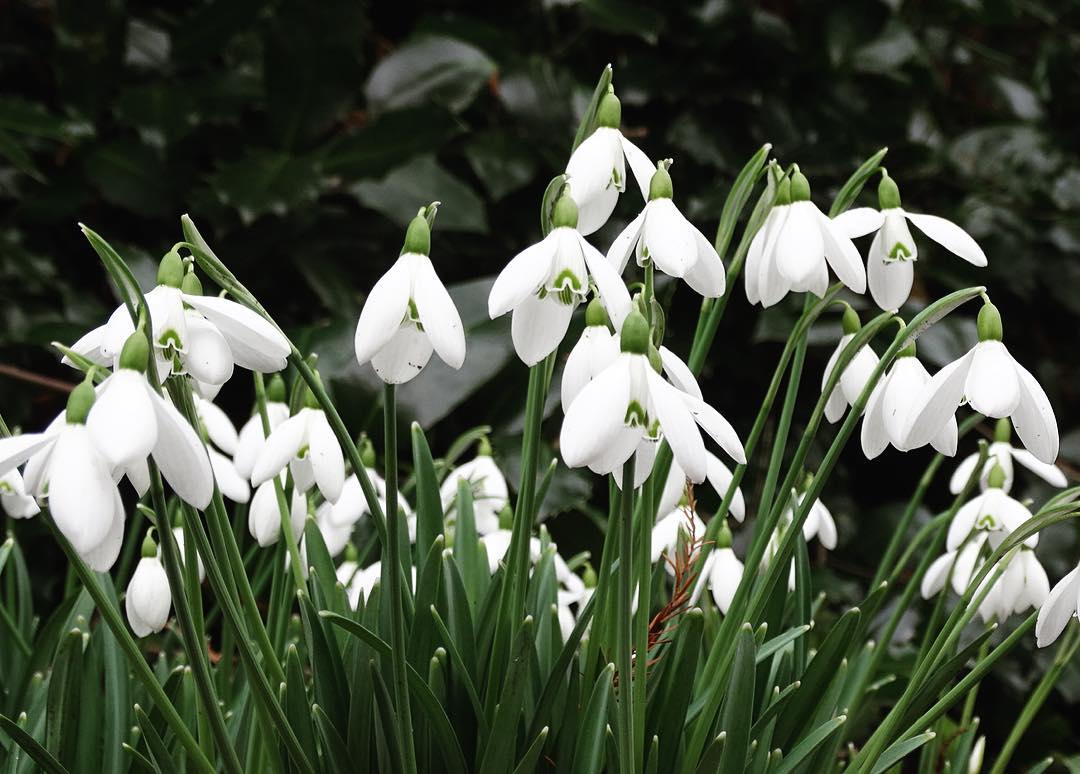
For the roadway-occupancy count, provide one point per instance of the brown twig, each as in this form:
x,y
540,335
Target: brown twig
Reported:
x,y
47,382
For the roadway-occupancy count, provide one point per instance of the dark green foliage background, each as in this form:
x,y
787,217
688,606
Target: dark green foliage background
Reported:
x,y
301,136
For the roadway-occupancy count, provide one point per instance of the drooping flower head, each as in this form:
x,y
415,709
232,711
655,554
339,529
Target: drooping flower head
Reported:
x,y
663,236
544,284
488,485
994,384
409,313
856,373
890,264
1002,453
148,599
596,171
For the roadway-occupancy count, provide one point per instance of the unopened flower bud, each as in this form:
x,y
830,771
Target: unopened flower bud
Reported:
x,y
635,334
989,323
418,236
887,192
171,270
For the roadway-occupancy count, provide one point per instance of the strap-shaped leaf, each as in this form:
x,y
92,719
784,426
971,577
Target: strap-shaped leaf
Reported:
x,y
738,703
589,752
850,190
65,686
31,746
898,751
808,744
429,512
498,755
162,758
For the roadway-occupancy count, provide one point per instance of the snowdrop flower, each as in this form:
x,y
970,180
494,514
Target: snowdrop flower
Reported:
x,y
364,582
855,375
67,467
306,443
681,523
891,403
795,247
181,549
264,515
630,401
890,264
224,441
251,438
1023,584
722,573
662,235
544,284
488,485
597,348
992,510
334,535
1058,609
204,336
13,497
719,477
1003,453
148,599
130,421
994,384
819,523
596,171
408,314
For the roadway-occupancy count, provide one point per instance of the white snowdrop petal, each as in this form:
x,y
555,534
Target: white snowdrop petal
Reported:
x,y
181,456
993,385
962,473
890,281
950,236
117,329
725,575
596,416
679,372
800,247
938,401
842,255
858,221
1058,610
669,238
706,276
538,326
404,356
612,290
1051,474
618,255
327,460
678,426
89,346
1034,419
122,422
82,495
209,358
594,351
946,439
148,600
231,483
219,428
936,574
720,478
17,449
103,556
439,316
522,276
718,428
874,437
385,308
255,342
640,166
594,213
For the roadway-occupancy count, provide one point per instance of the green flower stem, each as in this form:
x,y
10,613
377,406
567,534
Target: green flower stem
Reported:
x,y
194,639
1065,652
403,715
625,635
112,618
973,694
643,570
598,632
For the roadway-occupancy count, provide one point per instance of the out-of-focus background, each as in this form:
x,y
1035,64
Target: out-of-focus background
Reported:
x,y
302,136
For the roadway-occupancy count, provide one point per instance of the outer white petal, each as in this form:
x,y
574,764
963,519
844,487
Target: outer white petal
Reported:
x,y
622,248
1034,419
950,236
595,351
669,238
724,577
264,520
936,575
117,329
613,291
122,422
678,425
842,255
720,478
835,405
1036,588
439,316
596,416
873,436
383,311
938,401
963,473
209,357
251,438
522,276
674,488
718,428
219,428
890,281
640,165
181,456
17,449
706,276
232,484
89,346
256,343
148,599
665,533
906,382
966,562
679,373
826,528
993,384
590,168
538,326
858,221
1058,610
623,444
103,556
13,498
594,213
1051,474
772,284
327,461
800,247
82,496
404,356
964,521
857,374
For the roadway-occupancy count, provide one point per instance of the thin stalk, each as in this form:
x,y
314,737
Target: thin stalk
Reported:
x,y
625,637
643,571
973,694
403,715
1065,652
111,615
194,639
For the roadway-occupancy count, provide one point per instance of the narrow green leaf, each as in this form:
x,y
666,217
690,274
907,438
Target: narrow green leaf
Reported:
x,y
462,672
668,707
297,705
163,760
710,761
735,719
422,634
588,119
547,202
780,698
808,744
498,755
528,762
590,743
65,686
467,547
850,190
770,647
898,751
335,753
40,755
737,198
429,512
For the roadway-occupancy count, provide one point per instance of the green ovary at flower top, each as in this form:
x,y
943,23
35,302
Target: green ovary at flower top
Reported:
x,y
485,615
